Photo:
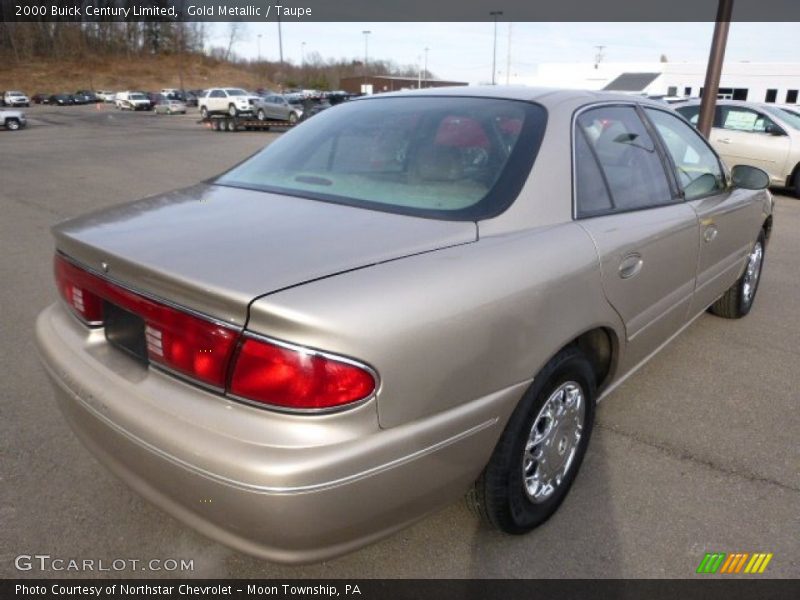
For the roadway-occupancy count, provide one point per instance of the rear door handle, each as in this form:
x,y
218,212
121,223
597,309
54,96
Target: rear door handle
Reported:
x,y
630,265
724,140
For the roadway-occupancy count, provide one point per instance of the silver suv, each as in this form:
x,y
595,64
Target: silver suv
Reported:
x,y
13,119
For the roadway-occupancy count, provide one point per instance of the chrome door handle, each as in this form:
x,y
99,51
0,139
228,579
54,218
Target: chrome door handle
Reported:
x,y
724,140
710,233
630,265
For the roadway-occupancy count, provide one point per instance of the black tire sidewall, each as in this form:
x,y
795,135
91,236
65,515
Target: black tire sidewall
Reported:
x,y
509,505
745,307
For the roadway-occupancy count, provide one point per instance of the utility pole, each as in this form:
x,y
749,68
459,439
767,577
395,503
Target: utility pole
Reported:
x,y
508,58
259,47
714,70
495,14
426,63
598,58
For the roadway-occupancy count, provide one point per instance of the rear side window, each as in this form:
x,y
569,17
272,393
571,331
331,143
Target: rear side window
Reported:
x,y
440,157
590,187
628,158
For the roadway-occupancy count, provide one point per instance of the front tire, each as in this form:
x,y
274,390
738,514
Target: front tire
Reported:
x,y
541,449
292,118
261,115
12,124
232,111
737,301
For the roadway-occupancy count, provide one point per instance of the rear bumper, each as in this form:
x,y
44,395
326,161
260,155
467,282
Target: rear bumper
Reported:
x,y
282,487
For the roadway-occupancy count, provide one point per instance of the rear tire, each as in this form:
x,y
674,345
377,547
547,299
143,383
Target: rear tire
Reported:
x,y
541,449
231,125
204,112
796,182
738,300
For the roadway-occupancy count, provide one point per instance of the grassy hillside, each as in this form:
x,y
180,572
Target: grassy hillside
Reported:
x,y
121,73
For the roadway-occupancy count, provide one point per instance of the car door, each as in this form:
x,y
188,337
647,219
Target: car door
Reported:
x,y
727,216
749,137
217,101
646,236
274,107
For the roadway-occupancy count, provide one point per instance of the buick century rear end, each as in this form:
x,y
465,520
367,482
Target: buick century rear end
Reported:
x,y
406,299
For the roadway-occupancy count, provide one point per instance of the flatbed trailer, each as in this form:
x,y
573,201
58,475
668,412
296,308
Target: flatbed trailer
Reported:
x,y
242,123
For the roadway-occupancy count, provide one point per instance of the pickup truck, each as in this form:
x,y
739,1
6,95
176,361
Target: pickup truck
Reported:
x,y
13,119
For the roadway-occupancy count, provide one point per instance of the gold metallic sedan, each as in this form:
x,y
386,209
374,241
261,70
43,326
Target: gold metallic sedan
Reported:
x,y
409,297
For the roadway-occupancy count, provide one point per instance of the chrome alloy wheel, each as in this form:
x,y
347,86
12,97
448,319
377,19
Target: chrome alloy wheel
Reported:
x,y
553,441
752,273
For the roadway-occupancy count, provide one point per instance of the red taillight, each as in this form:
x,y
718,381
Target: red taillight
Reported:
x,y
266,372
292,378
74,284
185,343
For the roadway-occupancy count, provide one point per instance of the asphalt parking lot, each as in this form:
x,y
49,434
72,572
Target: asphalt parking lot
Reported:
x,y
697,452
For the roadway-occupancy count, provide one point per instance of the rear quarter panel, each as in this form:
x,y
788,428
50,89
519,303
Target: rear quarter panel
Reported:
x,y
451,326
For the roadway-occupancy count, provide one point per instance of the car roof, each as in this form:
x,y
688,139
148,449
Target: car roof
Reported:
x,y
545,96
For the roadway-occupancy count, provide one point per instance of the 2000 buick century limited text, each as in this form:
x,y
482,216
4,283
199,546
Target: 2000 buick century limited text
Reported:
x,y
406,298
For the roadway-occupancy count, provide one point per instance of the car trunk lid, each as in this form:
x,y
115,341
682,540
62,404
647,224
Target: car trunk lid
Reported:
x,y
214,249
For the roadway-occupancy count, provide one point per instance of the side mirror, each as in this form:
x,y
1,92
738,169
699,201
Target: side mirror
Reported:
x,y
774,129
749,178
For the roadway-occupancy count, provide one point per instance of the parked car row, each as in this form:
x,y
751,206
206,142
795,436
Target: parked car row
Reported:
x,y
266,105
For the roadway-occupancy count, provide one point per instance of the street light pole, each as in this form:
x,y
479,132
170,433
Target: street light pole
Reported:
x,y
280,39
495,14
714,70
366,33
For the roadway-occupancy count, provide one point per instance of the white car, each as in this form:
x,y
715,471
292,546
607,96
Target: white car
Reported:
x,y
761,135
16,99
232,101
132,101
106,95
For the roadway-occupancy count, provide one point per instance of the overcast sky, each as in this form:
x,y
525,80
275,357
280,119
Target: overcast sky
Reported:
x,y
463,51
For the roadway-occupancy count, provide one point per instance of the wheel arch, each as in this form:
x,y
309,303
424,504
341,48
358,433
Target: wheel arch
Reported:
x,y
767,228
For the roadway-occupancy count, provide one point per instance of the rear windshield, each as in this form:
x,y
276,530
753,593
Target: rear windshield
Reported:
x,y
441,157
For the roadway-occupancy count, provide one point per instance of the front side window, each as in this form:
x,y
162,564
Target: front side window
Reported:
x,y
696,166
628,157
441,157
789,117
